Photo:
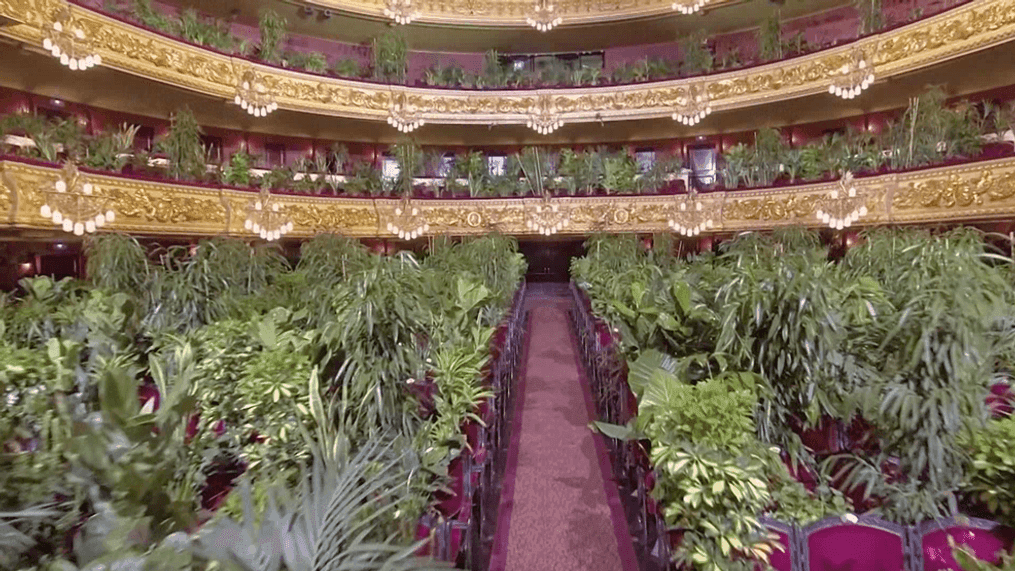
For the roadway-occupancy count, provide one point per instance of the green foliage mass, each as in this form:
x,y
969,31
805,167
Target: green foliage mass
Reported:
x,y
732,354
298,375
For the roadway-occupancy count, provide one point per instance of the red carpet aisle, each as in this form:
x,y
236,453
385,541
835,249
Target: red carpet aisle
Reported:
x,y
557,514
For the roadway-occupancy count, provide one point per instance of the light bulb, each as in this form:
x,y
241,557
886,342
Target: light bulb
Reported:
x,y
45,212
100,220
97,59
110,216
863,210
90,226
57,217
67,225
73,64
89,61
256,228
263,233
47,44
86,188
61,186
79,229
64,60
258,205
248,224
58,26
820,214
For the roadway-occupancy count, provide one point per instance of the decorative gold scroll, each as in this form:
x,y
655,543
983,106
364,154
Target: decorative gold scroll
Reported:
x,y
983,190
974,26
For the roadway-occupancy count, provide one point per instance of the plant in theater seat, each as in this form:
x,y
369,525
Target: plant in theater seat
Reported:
x,y
182,146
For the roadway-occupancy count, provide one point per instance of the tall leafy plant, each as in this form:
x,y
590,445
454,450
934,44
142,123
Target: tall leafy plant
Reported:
x,y
390,53
272,27
183,147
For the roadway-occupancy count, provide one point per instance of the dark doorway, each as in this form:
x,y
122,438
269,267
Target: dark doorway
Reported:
x,y
550,260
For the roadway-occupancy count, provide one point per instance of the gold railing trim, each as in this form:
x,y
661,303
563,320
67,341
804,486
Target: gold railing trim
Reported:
x,y
977,25
972,191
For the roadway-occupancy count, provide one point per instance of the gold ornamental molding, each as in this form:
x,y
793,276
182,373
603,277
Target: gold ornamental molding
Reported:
x,y
954,194
963,30
513,12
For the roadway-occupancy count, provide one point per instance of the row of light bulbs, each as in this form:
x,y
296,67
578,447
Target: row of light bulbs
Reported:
x,y
408,224
688,9
67,46
74,207
400,11
544,126
403,125
255,110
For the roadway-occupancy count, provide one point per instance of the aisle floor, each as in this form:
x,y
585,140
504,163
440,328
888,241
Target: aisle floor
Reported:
x,y
560,518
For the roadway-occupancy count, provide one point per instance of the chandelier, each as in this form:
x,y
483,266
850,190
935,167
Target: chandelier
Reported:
x,y
542,16
408,222
403,115
689,217
72,204
853,77
254,96
685,7
400,11
697,106
543,116
548,218
266,218
66,41
844,205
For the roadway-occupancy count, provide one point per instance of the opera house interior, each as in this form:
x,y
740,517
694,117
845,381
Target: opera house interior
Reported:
x,y
273,273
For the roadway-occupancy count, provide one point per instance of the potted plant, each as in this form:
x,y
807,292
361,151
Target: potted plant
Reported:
x,y
183,147
273,35
390,56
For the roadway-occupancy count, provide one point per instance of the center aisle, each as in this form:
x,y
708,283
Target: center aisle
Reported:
x,y
558,512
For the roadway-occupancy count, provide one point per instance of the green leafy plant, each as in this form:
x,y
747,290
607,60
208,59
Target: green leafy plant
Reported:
x,y
183,147
314,62
149,16
619,172
968,560
872,18
990,480
697,57
111,150
333,519
390,53
237,172
273,35
770,46
347,67
204,32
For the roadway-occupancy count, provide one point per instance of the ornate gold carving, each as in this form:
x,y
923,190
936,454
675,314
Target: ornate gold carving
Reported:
x,y
322,217
776,208
955,190
962,30
136,203
513,12
946,194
